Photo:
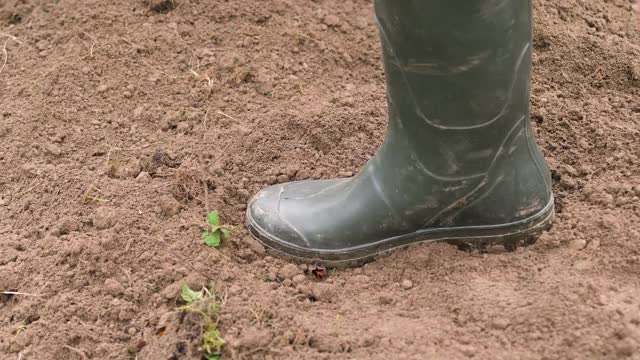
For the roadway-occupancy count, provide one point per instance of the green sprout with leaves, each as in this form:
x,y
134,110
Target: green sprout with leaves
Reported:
x,y
215,232
204,303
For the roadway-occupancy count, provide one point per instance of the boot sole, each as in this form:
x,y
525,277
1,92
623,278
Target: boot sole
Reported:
x,y
511,236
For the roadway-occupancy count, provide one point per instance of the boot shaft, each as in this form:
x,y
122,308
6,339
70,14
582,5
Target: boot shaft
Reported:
x,y
457,78
459,146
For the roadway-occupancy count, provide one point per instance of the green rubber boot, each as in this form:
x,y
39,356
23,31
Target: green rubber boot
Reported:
x,y
459,162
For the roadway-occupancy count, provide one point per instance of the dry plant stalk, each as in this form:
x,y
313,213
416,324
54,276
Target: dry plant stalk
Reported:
x,y
4,48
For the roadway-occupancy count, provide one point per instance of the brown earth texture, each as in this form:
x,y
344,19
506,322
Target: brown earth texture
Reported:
x,y
122,123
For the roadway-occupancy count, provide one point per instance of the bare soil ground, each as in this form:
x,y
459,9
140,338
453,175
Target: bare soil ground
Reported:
x,y
123,122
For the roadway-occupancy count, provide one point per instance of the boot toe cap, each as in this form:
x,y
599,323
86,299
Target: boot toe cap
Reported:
x,y
265,222
296,215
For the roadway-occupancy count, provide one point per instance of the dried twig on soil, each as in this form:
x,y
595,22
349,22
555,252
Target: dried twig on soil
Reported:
x,y
131,43
87,197
4,48
194,55
83,356
193,52
93,44
227,116
11,37
6,56
17,293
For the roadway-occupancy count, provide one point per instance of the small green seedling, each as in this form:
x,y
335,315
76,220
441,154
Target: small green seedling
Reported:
x,y
189,296
204,303
215,232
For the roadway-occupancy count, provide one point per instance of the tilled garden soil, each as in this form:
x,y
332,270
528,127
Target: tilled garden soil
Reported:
x,y
122,123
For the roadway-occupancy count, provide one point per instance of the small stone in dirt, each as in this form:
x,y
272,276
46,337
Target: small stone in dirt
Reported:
x,y
143,177
227,61
626,348
288,337
287,282
264,88
326,344
132,331
86,70
171,291
283,178
104,218
323,292
406,284
360,279
170,120
578,244
567,183
243,194
216,170
271,179
255,246
298,279
183,126
253,338
367,340
54,150
130,169
137,112
42,45
331,20
107,242
583,144
19,342
161,6
102,88
386,299
583,265
194,280
292,172
272,274
165,319
243,183
500,323
288,271
8,257
113,287
65,226
169,206
74,249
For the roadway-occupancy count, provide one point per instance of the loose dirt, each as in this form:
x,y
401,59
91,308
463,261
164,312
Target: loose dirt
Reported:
x,y
123,122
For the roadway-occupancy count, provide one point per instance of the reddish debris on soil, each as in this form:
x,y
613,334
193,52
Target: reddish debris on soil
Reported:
x,y
318,271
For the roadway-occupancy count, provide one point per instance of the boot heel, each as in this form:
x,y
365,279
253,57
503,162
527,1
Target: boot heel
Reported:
x,y
511,241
